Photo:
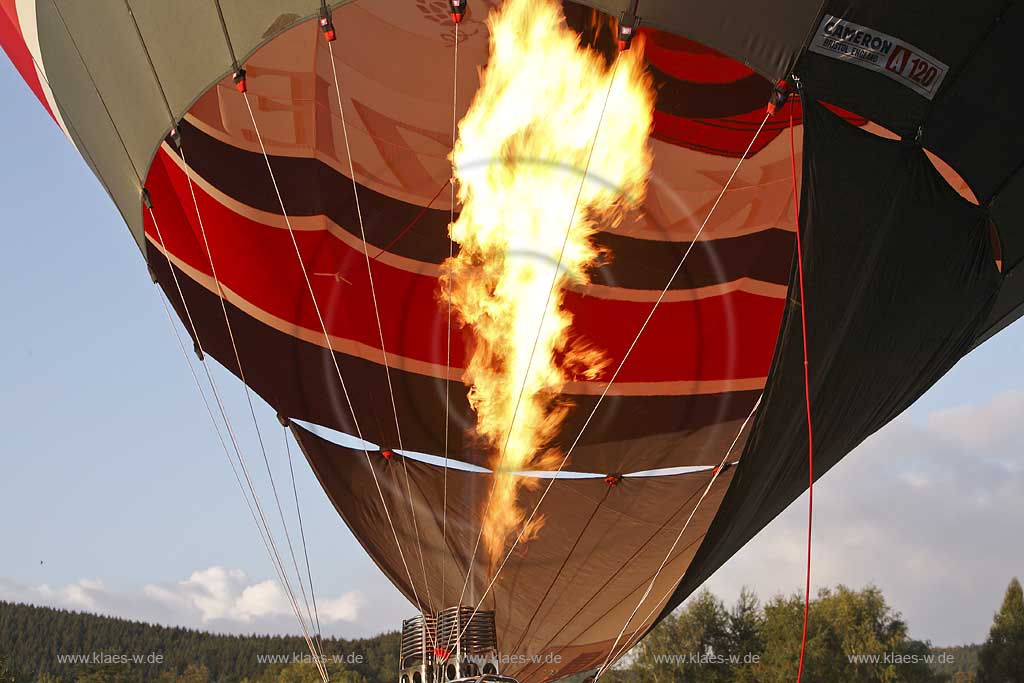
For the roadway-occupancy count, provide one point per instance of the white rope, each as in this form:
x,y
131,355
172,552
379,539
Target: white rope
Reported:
x,y
380,328
209,410
275,556
679,536
245,384
213,421
448,337
655,610
625,357
216,427
180,293
334,358
302,535
540,327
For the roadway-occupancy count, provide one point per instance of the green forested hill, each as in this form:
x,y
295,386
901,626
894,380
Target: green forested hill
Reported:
x,y
33,640
702,642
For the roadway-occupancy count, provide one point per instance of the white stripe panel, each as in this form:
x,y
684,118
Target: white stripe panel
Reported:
x,y
26,10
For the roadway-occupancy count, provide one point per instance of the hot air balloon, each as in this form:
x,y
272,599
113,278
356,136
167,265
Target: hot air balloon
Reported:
x,y
286,170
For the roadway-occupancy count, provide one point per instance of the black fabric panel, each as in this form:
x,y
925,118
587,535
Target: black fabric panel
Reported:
x,y
1009,306
628,433
674,96
948,30
976,126
899,279
768,38
1007,212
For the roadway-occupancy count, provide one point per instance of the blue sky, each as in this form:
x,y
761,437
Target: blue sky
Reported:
x,y
115,496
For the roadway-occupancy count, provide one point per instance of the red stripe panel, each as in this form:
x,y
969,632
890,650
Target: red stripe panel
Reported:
x,y
17,51
730,136
723,337
721,137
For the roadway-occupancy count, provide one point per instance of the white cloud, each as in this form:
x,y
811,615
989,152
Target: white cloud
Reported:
x,y
931,511
217,593
216,598
83,594
345,608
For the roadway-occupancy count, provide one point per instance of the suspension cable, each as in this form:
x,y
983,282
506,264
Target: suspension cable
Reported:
x,y
274,560
330,348
714,477
248,394
561,568
220,294
448,335
380,327
213,421
600,590
302,533
540,327
103,102
807,398
206,403
149,59
227,36
650,615
654,610
275,556
241,373
625,357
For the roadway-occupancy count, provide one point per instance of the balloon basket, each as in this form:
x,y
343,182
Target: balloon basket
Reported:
x,y
452,646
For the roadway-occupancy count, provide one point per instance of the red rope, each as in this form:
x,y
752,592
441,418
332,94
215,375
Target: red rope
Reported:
x,y
807,398
413,222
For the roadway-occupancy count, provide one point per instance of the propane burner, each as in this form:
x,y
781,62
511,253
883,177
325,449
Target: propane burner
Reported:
x,y
452,646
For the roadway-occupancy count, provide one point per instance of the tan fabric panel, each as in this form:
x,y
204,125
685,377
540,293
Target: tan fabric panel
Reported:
x,y
391,62
96,42
563,596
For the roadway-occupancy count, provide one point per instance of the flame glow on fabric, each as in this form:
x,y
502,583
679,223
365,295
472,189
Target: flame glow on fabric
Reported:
x,y
544,157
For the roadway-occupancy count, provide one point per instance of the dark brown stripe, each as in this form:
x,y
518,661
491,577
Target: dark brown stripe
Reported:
x,y
690,100
310,187
638,264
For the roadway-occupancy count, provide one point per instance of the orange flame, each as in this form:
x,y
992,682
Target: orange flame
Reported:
x,y
519,162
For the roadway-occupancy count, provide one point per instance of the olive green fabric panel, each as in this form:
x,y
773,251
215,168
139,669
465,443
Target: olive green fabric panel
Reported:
x,y
109,95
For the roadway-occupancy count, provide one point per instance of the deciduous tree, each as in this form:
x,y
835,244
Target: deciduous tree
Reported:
x,y
1001,659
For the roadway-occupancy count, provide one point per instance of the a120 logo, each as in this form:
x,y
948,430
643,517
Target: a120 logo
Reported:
x,y
920,71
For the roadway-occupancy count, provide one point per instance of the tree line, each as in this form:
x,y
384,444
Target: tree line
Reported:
x,y
34,641
852,635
